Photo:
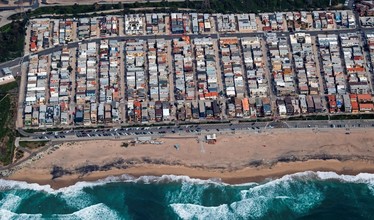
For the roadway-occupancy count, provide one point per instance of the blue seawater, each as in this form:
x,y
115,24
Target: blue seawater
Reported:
x,y
306,195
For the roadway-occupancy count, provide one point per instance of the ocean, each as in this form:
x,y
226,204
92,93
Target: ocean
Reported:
x,y
306,195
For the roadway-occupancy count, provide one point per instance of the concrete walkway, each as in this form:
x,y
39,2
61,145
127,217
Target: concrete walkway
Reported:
x,y
16,144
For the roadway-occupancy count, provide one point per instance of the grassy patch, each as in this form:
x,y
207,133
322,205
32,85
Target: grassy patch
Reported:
x,y
6,134
225,6
19,154
221,6
4,115
348,117
8,87
73,9
7,116
32,144
12,40
308,117
5,28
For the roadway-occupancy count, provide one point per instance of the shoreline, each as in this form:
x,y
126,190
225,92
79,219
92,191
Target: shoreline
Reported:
x,y
234,158
241,176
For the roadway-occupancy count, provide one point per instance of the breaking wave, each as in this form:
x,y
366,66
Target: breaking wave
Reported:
x,y
97,211
297,193
127,197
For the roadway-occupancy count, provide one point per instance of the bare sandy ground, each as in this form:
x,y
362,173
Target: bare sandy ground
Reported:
x,y
235,158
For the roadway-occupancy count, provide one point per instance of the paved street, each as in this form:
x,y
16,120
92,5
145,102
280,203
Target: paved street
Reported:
x,y
17,61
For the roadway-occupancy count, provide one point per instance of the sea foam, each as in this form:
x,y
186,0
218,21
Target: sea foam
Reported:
x,y
97,211
192,211
359,178
288,191
11,184
10,202
295,192
6,215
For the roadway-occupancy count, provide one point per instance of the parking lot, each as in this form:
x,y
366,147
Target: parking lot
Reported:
x,y
201,129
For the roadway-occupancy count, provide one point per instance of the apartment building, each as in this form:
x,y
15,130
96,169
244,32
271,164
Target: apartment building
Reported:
x,y
134,24
155,23
226,23
180,23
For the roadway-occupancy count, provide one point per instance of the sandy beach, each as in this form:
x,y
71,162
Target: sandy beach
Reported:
x,y
235,158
